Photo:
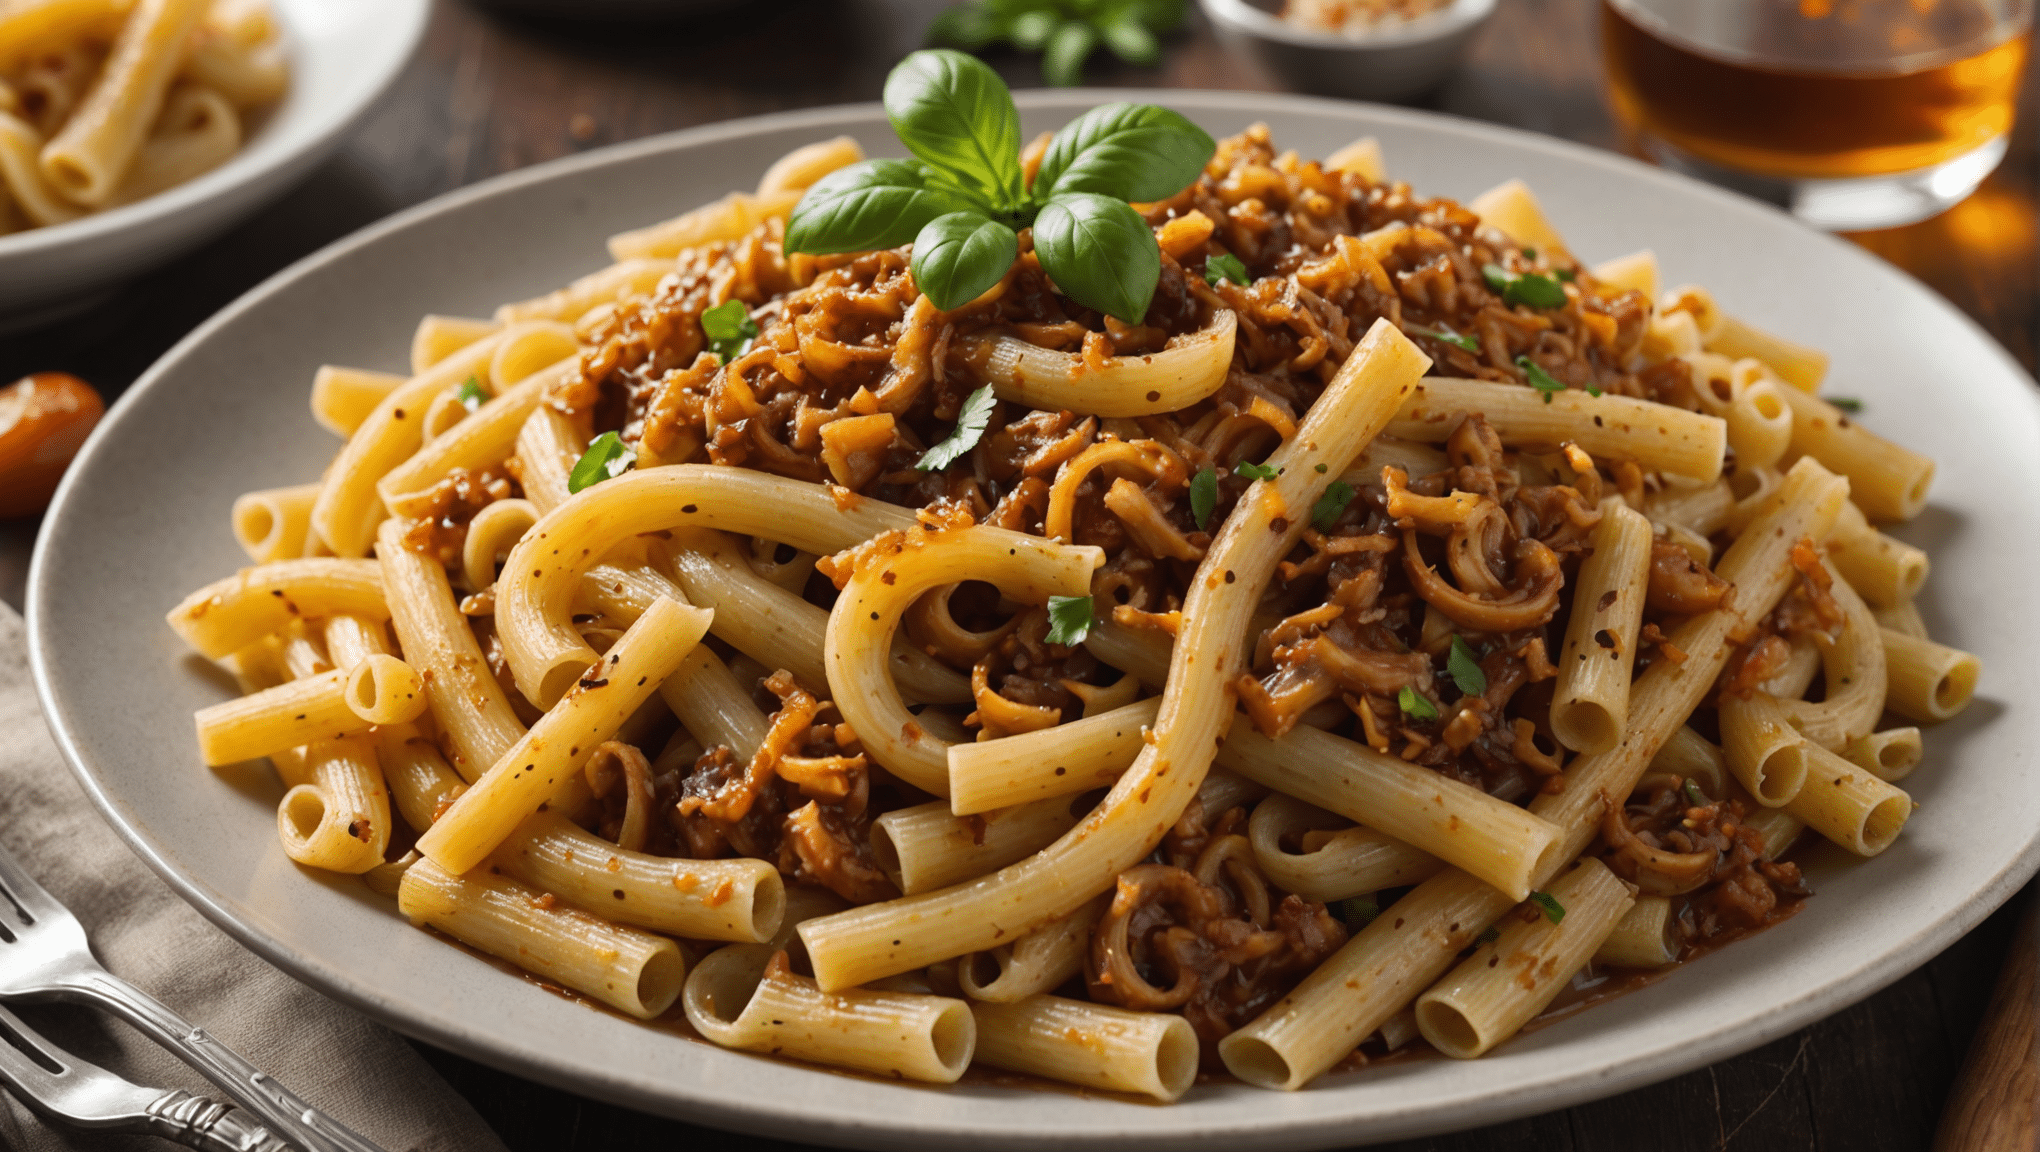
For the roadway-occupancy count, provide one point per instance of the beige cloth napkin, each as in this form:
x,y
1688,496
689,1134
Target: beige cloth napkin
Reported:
x,y
356,1070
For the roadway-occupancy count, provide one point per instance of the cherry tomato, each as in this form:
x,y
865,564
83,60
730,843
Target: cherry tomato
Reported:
x,y
44,419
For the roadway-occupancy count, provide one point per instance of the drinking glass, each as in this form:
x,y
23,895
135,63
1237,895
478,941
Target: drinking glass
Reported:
x,y
1853,114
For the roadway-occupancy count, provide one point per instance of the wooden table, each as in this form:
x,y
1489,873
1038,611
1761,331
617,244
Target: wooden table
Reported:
x,y
488,94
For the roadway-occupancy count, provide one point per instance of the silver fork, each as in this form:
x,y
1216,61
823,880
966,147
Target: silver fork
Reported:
x,y
44,953
62,1087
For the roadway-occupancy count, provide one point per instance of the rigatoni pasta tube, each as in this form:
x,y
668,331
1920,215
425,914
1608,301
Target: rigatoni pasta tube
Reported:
x,y
1657,437
93,151
854,946
1339,859
1800,366
1887,481
927,847
563,739
1926,681
338,819
1688,755
726,219
1456,822
713,705
271,524
1647,936
1590,703
343,397
1636,272
887,580
1765,752
534,596
1512,209
634,972
484,439
1496,991
740,899
1092,1045
1890,755
438,337
547,447
1853,666
1882,570
1386,963
745,996
1074,756
1041,961
228,615
1849,805
620,280
287,716
420,782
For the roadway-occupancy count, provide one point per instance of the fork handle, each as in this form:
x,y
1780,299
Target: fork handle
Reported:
x,y
208,1126
289,1117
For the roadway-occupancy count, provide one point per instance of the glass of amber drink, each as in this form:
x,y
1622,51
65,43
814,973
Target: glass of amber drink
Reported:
x,y
1853,114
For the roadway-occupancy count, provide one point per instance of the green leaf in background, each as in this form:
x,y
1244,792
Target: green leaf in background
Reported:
x,y
968,26
605,459
1031,30
1203,496
951,110
1099,252
1062,58
1131,151
1225,266
1131,41
1069,620
971,422
729,329
1464,669
870,204
958,257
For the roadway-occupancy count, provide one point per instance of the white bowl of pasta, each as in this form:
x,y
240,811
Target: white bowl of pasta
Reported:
x,y
680,918
131,132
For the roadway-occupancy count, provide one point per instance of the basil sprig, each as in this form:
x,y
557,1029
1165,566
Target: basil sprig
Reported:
x,y
963,199
1065,32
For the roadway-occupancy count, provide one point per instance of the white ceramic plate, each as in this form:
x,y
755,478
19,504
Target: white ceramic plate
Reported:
x,y
343,53
142,519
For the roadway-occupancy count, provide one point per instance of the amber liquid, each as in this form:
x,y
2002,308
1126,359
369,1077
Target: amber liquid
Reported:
x,y
1803,123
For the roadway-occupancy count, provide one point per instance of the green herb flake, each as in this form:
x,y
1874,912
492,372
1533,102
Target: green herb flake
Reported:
x,y
1359,911
471,395
1488,935
1694,796
1464,669
1553,910
1593,391
1224,266
1538,378
1323,468
729,329
1565,274
1447,336
1203,496
1069,619
1415,706
1331,505
971,423
1253,471
1529,253
608,457
1532,288
1848,404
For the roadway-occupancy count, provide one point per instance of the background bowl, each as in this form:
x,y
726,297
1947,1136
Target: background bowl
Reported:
x,y
1399,62
343,54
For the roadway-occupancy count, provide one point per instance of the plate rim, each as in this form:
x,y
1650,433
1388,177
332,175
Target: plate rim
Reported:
x,y
792,1119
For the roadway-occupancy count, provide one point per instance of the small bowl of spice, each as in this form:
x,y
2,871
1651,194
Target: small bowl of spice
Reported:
x,y
1360,49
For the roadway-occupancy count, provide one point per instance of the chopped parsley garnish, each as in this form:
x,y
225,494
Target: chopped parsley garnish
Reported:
x,y
1323,468
608,457
1553,910
1414,705
1488,935
971,423
1331,505
1359,911
1694,796
1069,619
1538,378
1565,274
1464,669
471,395
1224,266
1203,496
1529,253
1467,343
1532,288
729,329
1253,471
1848,404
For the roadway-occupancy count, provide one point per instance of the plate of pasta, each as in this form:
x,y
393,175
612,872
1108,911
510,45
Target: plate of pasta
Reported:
x,y
1279,622
131,130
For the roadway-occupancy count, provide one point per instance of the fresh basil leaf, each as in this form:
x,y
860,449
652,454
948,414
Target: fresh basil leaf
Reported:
x,y
1414,705
1464,669
1331,505
1069,620
870,204
1539,379
1848,404
1128,151
1099,252
971,422
951,110
1553,910
471,395
1253,471
1225,266
1062,58
1031,30
967,26
1446,335
1203,496
1498,278
1129,39
1321,469
1159,15
958,257
605,459
729,329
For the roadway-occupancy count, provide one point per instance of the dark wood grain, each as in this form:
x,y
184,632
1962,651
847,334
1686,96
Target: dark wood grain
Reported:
x,y
488,94
1995,1106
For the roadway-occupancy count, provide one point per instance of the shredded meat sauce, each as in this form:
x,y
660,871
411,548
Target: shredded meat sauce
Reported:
x,y
853,375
